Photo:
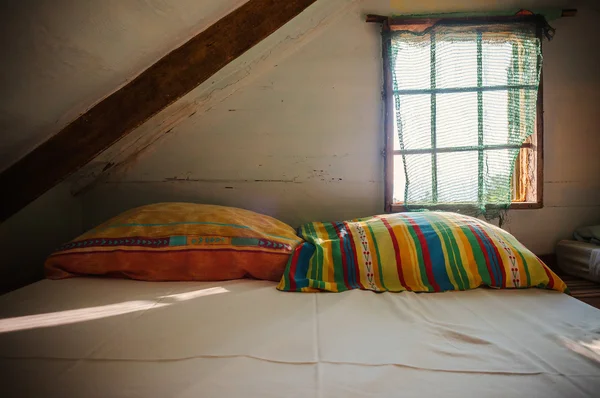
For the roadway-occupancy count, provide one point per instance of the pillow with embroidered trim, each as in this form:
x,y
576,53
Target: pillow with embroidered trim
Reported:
x,y
420,252
179,242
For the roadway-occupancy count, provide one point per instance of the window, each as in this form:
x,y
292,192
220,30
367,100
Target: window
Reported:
x,y
463,114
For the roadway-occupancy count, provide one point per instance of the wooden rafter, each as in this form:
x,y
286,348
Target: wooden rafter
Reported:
x,y
163,83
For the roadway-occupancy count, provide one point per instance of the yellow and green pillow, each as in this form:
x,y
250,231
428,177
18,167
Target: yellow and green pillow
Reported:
x,y
420,252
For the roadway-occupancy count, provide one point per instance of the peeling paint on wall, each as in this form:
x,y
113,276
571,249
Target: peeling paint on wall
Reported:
x,y
239,74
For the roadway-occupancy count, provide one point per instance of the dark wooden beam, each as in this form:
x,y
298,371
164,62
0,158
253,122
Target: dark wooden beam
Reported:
x,y
163,83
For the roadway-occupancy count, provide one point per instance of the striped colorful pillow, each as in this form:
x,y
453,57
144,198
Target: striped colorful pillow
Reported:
x,y
179,242
420,252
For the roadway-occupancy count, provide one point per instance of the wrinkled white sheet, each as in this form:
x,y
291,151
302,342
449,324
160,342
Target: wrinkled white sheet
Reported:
x,y
118,338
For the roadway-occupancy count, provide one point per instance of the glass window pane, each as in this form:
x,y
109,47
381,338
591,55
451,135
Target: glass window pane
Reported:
x,y
457,176
456,120
419,178
415,115
456,62
413,64
522,113
496,57
395,138
497,167
524,68
495,118
399,179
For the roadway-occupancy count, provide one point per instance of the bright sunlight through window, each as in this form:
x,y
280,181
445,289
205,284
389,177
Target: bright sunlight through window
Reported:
x,y
464,116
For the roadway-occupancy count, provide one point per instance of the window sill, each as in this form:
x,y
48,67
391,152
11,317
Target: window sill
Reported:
x,y
399,207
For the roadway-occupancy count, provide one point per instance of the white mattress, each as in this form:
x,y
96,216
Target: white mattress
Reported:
x,y
119,338
581,259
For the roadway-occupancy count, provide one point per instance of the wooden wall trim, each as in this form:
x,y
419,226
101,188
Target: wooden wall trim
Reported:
x,y
163,83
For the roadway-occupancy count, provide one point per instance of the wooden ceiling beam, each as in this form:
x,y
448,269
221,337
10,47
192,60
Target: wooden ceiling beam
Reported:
x,y
160,85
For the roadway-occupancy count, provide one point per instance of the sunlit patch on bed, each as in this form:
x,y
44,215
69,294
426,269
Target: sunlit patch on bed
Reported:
x,y
195,294
589,348
92,313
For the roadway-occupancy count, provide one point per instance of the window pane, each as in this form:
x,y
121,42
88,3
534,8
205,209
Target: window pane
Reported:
x,y
497,165
497,57
524,70
419,178
412,69
415,114
456,121
399,179
457,175
522,113
495,118
456,62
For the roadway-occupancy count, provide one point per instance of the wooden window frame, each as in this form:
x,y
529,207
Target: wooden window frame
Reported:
x,y
531,155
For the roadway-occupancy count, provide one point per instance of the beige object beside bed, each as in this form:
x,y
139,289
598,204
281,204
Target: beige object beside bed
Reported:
x,y
119,338
580,259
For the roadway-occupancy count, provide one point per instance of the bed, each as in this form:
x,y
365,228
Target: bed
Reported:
x,y
93,337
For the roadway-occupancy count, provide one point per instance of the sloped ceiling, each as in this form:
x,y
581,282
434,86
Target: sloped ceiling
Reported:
x,y
60,57
63,56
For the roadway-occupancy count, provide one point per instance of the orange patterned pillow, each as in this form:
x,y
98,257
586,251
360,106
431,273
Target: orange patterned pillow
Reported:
x,y
179,242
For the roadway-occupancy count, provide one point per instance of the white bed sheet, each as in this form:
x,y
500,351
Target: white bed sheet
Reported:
x,y
117,338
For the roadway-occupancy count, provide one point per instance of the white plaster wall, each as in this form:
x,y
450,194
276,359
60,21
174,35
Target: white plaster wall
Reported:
x,y
297,132
29,236
59,57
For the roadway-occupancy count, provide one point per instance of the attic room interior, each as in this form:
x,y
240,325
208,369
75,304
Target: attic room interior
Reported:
x,y
300,198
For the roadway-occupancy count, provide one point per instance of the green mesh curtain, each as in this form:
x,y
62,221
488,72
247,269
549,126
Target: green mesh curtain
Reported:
x,y
465,101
